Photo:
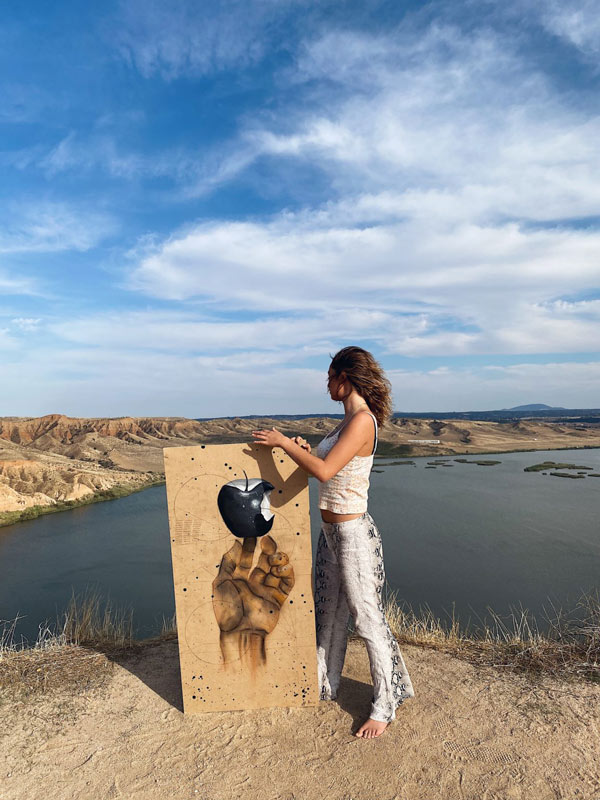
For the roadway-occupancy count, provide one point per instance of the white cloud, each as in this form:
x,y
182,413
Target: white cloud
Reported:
x,y
181,331
576,21
566,384
50,226
7,342
452,124
455,176
497,286
101,152
26,324
458,167
61,156
270,340
10,284
119,380
181,38
191,174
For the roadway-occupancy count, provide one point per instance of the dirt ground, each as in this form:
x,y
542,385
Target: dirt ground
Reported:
x,y
470,733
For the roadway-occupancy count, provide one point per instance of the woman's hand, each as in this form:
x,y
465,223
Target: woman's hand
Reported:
x,y
302,442
272,438
275,438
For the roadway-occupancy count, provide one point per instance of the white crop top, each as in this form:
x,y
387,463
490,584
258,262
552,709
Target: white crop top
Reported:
x,y
347,491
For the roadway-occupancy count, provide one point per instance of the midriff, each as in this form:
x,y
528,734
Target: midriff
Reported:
x,y
331,516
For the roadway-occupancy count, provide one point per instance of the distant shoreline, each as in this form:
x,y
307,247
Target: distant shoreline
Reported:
x,y
118,491
497,452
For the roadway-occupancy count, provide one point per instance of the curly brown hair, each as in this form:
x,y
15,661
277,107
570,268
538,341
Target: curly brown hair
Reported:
x,y
366,375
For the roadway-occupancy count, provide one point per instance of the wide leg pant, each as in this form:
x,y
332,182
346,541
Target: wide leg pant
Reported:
x,y
349,578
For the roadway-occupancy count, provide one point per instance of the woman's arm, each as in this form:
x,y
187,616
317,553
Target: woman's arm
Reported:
x,y
352,438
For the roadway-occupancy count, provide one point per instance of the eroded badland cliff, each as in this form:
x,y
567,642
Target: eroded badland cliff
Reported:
x,y
51,459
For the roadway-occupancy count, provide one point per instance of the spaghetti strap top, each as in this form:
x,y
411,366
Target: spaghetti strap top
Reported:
x,y
347,491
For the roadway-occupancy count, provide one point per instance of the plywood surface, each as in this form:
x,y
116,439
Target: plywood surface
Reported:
x,y
244,606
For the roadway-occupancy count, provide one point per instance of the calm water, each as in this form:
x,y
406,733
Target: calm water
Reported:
x,y
466,535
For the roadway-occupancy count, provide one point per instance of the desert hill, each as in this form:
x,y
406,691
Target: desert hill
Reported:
x,y
53,458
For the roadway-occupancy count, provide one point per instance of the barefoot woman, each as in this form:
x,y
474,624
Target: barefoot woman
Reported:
x,y
349,564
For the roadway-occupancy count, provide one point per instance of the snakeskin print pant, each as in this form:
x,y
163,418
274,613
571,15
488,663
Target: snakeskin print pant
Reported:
x,y
349,578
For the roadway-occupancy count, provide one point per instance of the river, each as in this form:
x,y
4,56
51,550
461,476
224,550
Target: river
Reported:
x,y
466,537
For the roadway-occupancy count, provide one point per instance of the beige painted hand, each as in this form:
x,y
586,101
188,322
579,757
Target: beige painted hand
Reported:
x,y
247,604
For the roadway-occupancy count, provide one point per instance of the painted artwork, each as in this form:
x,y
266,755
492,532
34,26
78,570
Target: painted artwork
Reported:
x,y
242,572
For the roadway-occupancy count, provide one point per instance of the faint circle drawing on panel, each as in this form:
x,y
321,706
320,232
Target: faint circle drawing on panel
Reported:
x,y
204,525
207,647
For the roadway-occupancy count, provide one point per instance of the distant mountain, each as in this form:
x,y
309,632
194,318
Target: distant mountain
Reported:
x,y
535,407
537,410
579,415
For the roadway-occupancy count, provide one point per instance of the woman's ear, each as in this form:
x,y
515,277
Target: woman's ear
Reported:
x,y
342,381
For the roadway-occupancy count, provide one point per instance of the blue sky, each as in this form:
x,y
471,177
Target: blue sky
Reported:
x,y
202,201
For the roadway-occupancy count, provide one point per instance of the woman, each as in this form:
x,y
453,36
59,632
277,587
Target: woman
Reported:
x,y
349,565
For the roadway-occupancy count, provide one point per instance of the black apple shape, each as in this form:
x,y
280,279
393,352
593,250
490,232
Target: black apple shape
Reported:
x,y
245,508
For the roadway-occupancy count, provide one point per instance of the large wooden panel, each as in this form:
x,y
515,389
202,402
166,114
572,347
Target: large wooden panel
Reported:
x,y
244,606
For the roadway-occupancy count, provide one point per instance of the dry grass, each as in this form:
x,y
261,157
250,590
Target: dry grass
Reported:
x,y
570,647
79,653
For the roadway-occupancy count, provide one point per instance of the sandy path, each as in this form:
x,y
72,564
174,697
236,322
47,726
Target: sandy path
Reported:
x,y
468,733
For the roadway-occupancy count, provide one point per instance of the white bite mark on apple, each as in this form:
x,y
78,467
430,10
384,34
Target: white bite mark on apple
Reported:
x,y
265,506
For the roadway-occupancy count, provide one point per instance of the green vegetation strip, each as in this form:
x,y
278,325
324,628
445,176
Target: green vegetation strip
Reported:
x,y
489,463
115,492
553,465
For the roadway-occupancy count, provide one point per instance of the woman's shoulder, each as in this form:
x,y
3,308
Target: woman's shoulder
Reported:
x,y
365,414
362,422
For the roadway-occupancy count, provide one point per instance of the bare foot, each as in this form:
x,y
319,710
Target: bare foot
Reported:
x,y
371,728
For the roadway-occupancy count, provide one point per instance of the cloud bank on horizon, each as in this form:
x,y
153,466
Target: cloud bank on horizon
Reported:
x,y
201,202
